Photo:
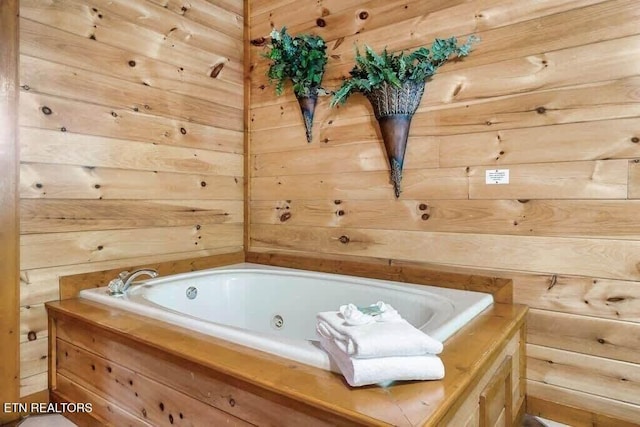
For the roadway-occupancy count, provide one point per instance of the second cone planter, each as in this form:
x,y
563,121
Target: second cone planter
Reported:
x,y
308,107
393,108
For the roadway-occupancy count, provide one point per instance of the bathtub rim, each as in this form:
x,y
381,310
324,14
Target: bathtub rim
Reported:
x,y
307,352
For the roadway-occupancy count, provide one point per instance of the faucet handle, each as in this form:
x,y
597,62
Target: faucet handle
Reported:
x,y
116,285
121,283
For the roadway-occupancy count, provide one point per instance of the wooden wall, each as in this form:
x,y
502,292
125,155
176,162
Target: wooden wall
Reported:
x,y
9,221
131,143
551,93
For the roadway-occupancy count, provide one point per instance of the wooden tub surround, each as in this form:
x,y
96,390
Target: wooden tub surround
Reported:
x,y
138,371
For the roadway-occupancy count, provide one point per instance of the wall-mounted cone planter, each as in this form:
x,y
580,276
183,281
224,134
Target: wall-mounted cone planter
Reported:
x,y
394,107
308,107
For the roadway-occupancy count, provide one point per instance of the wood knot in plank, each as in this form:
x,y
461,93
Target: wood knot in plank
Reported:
x,y
215,71
260,41
363,15
344,239
456,90
321,23
285,216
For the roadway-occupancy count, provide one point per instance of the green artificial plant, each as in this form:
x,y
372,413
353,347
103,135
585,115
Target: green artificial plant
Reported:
x,y
373,70
394,83
300,59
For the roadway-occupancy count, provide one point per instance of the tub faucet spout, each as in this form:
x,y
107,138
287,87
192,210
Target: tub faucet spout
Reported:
x,y
120,284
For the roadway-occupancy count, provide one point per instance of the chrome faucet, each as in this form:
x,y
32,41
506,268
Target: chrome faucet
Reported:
x,y
120,284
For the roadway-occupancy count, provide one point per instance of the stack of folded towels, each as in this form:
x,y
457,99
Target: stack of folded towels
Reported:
x,y
375,344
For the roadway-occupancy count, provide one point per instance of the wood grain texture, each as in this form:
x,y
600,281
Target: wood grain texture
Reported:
x,y
634,179
227,18
54,249
79,182
91,119
602,179
602,410
131,133
473,82
600,298
177,29
33,384
560,111
450,183
56,215
596,257
45,42
594,336
593,101
190,383
103,410
246,140
65,148
507,31
391,270
9,219
73,283
489,335
370,156
34,356
594,375
33,323
144,397
598,140
64,81
43,284
615,219
571,414
103,24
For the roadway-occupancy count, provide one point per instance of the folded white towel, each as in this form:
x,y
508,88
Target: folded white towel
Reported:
x,y
379,312
359,372
353,316
376,339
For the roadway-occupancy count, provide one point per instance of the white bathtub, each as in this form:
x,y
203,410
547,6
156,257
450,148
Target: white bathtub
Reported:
x,y
273,309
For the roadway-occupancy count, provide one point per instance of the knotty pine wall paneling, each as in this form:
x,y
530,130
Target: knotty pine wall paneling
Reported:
x,y
131,129
9,220
552,93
